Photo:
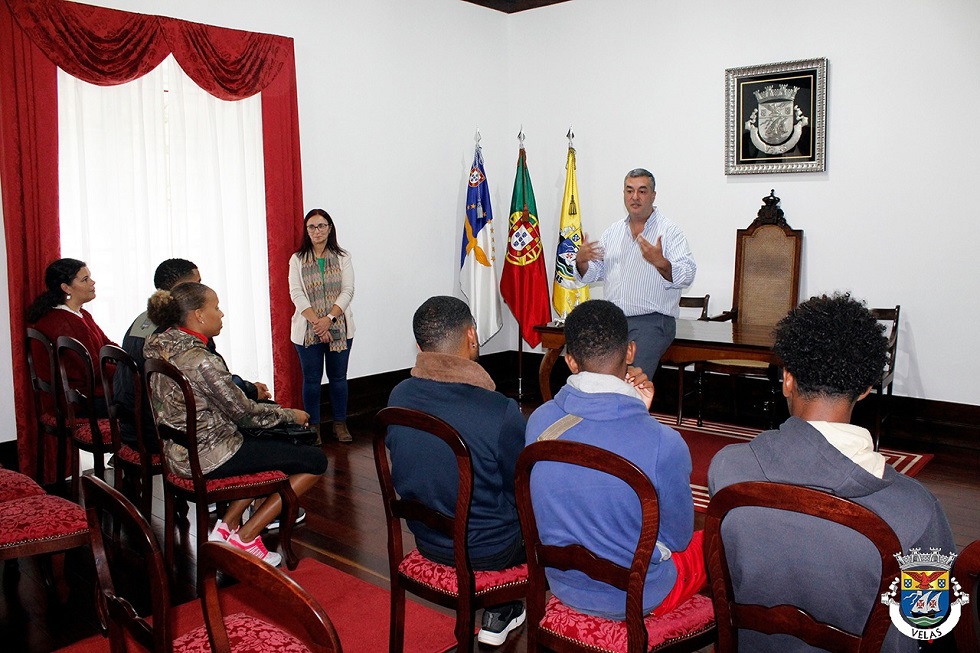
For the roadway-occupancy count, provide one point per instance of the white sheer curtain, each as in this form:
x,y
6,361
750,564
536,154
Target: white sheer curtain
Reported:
x,y
157,169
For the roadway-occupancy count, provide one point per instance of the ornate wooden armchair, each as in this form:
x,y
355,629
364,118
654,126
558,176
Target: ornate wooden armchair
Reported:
x,y
49,415
767,287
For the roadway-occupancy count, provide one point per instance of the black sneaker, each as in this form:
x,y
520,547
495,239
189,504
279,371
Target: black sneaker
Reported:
x,y
498,621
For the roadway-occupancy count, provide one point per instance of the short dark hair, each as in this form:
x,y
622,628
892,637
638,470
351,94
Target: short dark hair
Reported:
x,y
440,321
171,271
596,331
833,346
643,172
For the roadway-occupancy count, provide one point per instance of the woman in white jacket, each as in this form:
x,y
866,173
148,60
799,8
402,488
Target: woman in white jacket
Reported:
x,y
321,285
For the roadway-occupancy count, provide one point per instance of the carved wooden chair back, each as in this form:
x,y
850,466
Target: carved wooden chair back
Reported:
x,y
161,378
767,267
883,389
49,414
465,591
138,460
733,615
88,431
549,634
966,569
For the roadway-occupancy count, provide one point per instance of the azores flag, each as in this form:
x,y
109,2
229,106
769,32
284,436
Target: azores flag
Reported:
x,y
524,283
567,293
477,262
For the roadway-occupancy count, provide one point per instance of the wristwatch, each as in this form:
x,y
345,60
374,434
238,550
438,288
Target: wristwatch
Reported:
x,y
333,318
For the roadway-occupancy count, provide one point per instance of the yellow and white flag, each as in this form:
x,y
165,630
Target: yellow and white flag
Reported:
x,y
568,293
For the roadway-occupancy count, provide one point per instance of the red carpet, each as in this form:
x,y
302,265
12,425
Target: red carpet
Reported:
x,y
705,441
358,610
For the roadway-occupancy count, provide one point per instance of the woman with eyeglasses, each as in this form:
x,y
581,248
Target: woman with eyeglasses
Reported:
x,y
321,284
58,312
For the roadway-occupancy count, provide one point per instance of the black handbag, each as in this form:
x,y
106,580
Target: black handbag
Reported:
x,y
291,432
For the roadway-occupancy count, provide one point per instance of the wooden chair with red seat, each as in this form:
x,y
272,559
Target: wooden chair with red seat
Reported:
x,y
198,489
137,462
48,413
767,287
733,615
686,302
883,389
88,431
316,632
155,631
553,625
457,587
966,570
36,523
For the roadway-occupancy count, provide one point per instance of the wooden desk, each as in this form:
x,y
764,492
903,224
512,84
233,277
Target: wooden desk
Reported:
x,y
696,340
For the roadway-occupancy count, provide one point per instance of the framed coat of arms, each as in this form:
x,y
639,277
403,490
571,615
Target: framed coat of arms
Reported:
x,y
776,117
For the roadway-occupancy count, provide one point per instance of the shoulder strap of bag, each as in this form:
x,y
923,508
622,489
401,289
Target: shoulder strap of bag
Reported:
x,y
556,430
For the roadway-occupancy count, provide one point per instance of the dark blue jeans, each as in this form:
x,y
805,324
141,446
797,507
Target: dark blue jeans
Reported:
x,y
313,360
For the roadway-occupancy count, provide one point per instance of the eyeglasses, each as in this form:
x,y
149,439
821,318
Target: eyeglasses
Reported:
x,y
317,227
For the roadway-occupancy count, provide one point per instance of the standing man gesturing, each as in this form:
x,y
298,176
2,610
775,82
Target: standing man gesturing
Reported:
x,y
645,262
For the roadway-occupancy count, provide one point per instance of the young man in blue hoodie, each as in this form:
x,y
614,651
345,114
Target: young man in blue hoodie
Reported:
x,y
574,504
833,352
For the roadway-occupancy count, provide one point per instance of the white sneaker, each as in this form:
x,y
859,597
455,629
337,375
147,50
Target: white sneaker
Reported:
x,y
220,533
256,548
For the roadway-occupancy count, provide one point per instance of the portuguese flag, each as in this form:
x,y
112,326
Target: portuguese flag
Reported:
x,y
524,282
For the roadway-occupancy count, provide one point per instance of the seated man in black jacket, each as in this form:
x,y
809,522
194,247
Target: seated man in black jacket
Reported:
x,y
170,273
448,383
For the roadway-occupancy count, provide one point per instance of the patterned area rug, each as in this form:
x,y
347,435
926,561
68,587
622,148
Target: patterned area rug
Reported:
x,y
706,440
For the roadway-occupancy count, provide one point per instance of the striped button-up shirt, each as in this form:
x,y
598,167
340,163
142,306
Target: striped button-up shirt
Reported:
x,y
631,282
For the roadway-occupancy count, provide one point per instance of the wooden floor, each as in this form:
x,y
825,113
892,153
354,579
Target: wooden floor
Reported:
x,y
344,528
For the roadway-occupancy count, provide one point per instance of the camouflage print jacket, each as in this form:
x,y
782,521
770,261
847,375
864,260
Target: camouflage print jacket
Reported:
x,y
221,406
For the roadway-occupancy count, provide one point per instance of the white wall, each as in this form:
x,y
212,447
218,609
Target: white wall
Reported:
x,y
391,92
893,219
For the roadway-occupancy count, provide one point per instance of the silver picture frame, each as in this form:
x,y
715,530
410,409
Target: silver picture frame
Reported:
x,y
776,118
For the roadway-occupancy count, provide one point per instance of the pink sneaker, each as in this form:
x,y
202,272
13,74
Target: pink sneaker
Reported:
x,y
256,548
220,533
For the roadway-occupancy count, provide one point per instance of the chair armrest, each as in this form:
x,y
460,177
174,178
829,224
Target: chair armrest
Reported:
x,y
727,316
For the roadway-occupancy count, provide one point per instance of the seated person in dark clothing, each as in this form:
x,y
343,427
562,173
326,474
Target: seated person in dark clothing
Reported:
x,y
833,352
168,274
448,383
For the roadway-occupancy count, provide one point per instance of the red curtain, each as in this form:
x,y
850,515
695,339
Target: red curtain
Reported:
x,y
106,47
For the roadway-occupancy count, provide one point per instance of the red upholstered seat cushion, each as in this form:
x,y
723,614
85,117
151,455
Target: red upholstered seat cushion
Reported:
x,y
246,480
37,518
442,578
246,634
693,617
49,420
132,456
14,485
82,431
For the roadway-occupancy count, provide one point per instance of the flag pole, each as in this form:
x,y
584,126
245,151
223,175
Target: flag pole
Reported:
x,y
520,338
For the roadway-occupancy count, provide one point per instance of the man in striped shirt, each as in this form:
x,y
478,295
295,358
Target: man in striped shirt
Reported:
x,y
645,262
